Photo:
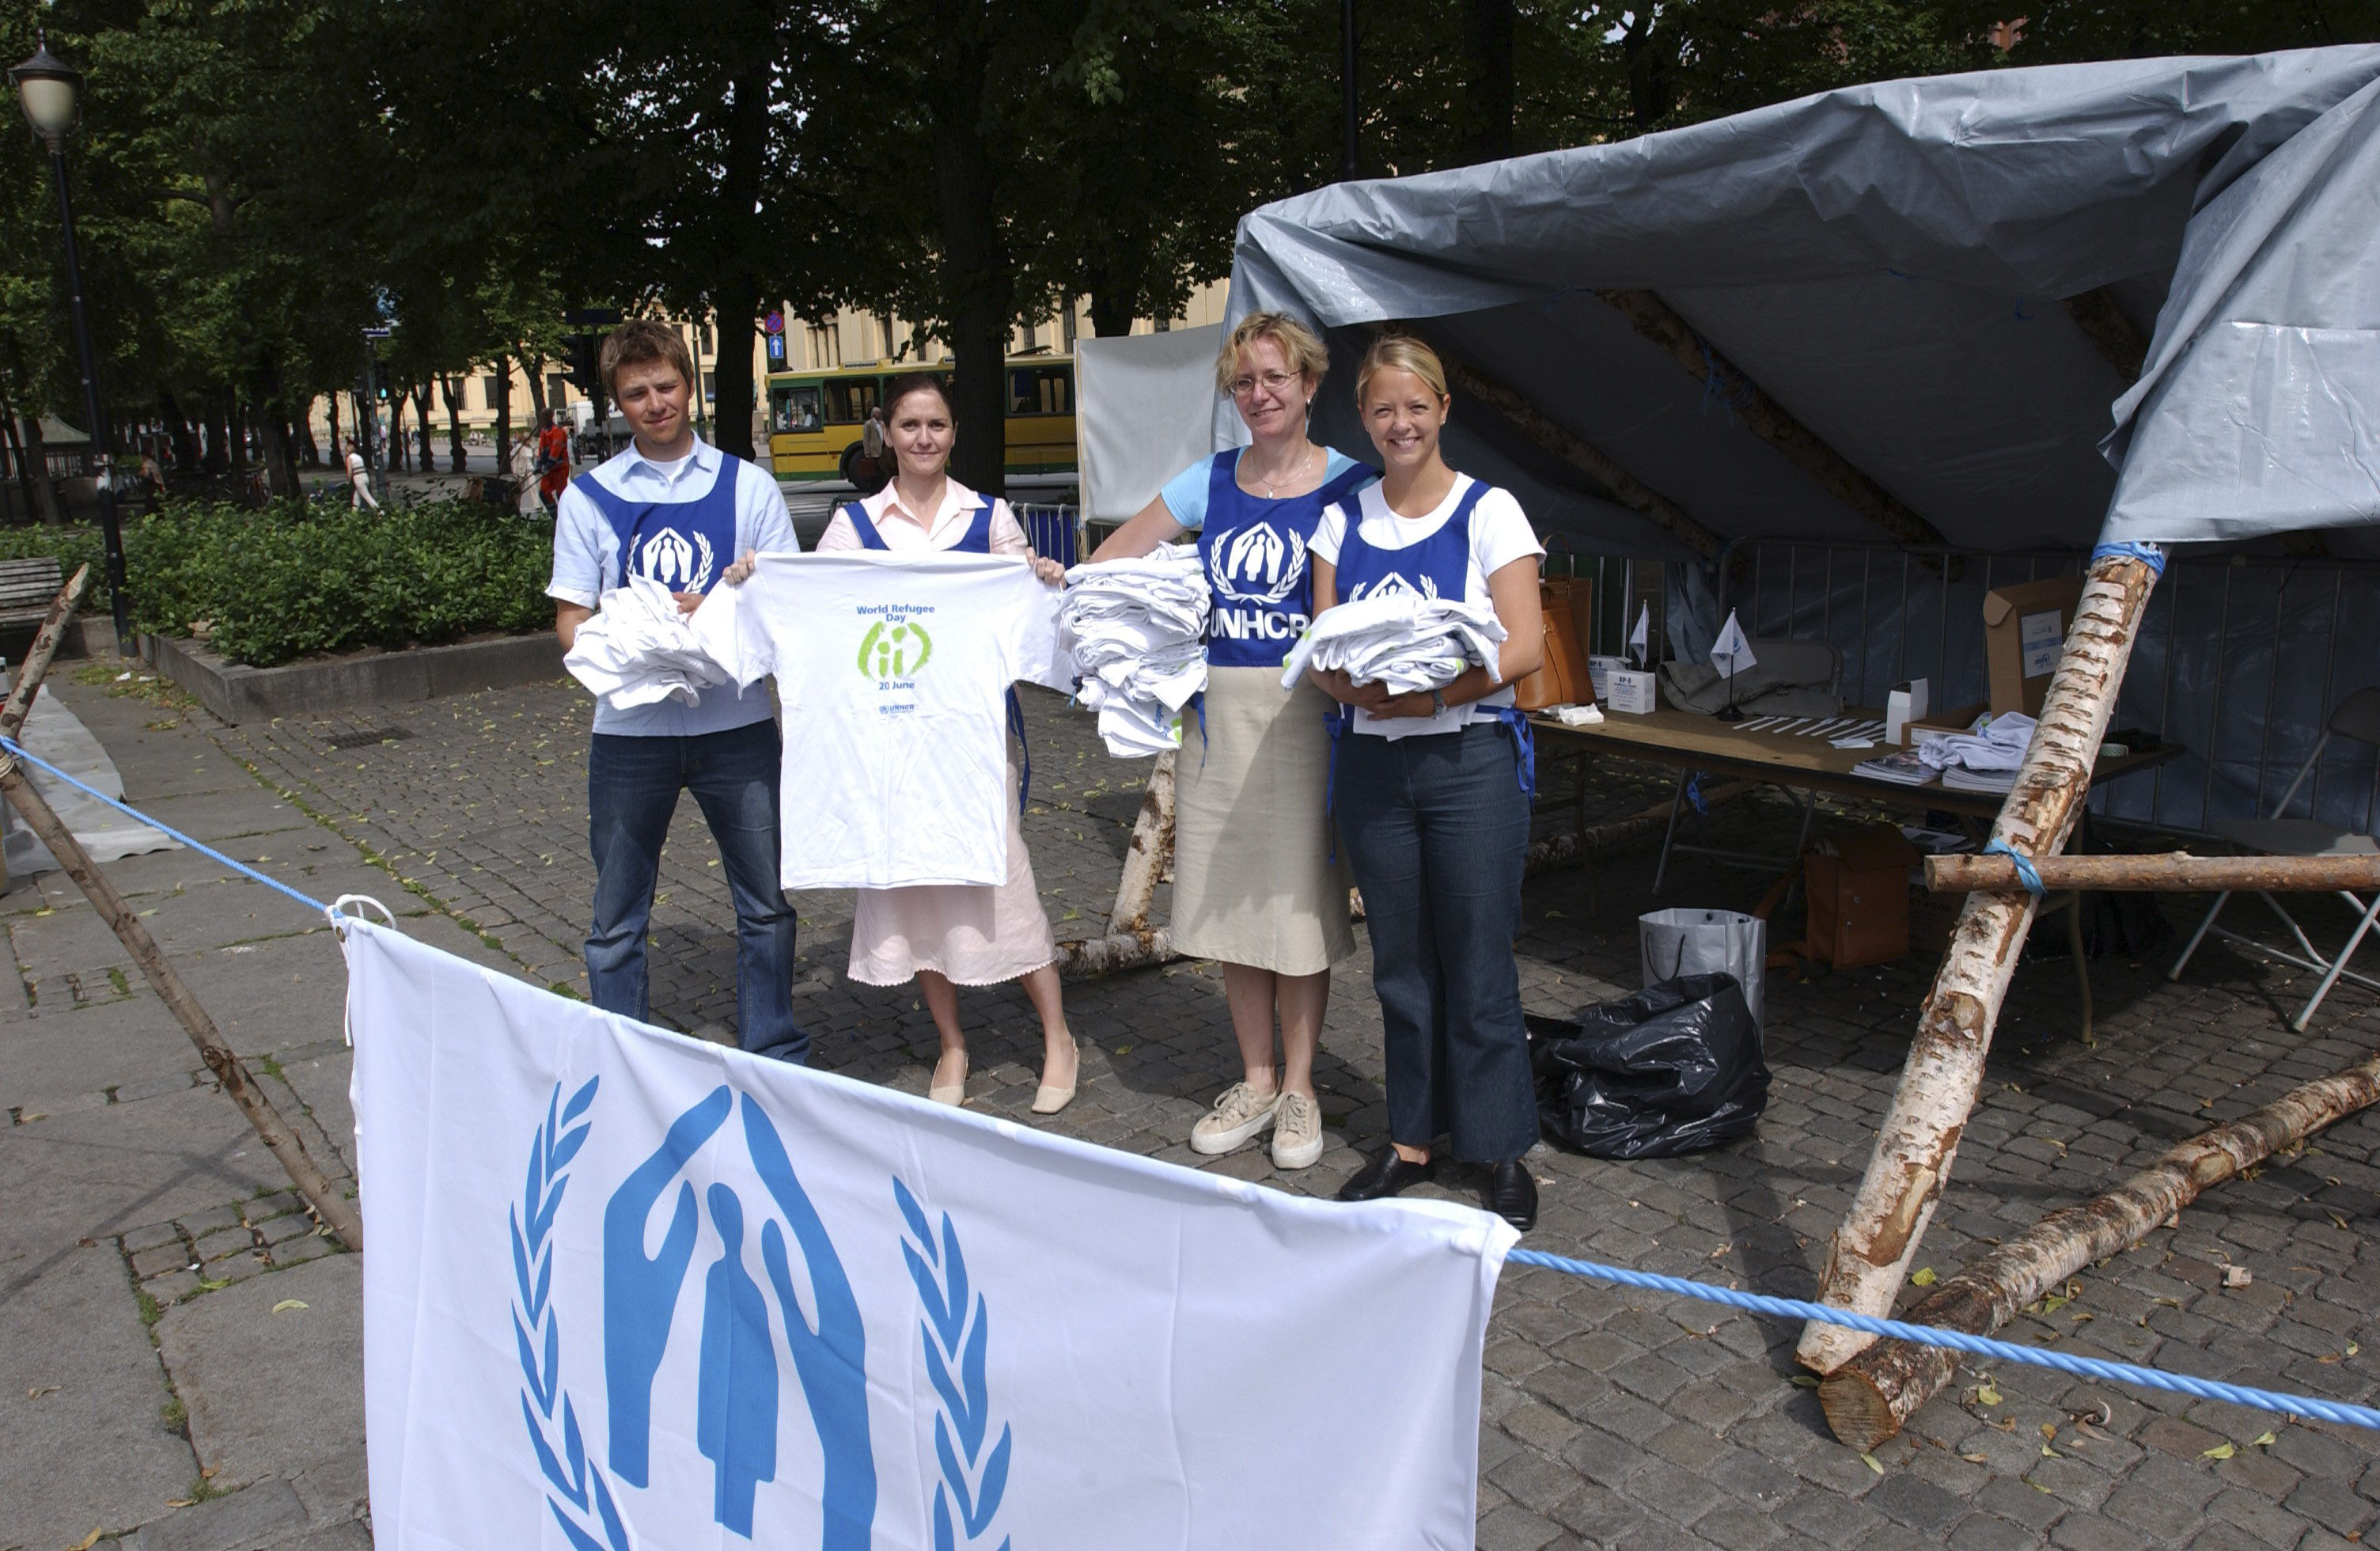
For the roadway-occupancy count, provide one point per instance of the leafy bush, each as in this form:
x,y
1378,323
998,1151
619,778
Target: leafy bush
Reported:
x,y
291,579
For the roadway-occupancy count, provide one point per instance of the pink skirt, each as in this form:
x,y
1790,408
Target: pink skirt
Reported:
x,y
971,934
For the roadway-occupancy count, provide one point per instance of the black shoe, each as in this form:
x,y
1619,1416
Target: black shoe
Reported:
x,y
1512,1193
1387,1174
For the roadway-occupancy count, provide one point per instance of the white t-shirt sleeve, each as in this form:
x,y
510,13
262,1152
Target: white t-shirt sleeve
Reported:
x,y
1330,530
1028,633
1500,533
577,552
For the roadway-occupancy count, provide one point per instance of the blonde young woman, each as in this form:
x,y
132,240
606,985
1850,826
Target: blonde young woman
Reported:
x,y
1432,794
949,936
1254,885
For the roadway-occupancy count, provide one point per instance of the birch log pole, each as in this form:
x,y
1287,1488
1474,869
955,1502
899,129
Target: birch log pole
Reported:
x,y
1567,851
1869,1398
2174,872
336,1211
1867,1258
1131,942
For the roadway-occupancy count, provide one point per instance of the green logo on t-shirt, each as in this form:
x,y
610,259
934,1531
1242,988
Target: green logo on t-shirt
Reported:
x,y
893,651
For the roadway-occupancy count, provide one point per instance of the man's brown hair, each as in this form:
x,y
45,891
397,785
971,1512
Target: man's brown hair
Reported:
x,y
640,340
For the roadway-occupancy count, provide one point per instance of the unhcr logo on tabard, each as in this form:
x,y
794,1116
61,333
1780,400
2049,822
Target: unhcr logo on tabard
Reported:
x,y
677,562
1393,583
1257,564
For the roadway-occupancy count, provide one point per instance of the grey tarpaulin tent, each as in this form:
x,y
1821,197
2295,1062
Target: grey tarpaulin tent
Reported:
x,y
2005,312
1927,275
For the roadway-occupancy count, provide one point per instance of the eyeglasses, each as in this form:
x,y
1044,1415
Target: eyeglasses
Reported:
x,y
1273,383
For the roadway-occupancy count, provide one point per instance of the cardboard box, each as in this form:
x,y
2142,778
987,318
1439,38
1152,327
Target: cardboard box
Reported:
x,y
1626,690
1600,668
1957,721
2024,631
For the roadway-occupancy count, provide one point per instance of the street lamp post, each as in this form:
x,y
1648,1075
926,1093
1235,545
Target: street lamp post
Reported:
x,y
48,88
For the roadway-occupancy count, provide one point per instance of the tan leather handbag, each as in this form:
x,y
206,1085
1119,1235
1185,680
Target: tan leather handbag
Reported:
x,y
1561,680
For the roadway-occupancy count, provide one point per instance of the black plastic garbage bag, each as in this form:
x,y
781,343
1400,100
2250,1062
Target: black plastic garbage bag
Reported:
x,y
1674,1069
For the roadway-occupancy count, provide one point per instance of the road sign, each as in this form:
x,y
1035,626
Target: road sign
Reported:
x,y
379,330
774,322
776,349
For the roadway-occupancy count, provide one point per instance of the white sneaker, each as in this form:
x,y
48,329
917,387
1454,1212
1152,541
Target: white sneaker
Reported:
x,y
1296,1132
1240,1114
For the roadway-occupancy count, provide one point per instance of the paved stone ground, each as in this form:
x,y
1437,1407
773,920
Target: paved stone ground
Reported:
x,y
1611,1418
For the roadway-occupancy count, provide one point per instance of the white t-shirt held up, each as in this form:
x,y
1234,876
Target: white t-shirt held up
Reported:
x,y
891,677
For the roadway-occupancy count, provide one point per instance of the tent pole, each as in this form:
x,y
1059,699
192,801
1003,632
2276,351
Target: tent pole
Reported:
x,y
1868,1258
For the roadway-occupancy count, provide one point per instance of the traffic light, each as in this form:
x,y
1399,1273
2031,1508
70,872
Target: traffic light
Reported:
x,y
380,391
579,362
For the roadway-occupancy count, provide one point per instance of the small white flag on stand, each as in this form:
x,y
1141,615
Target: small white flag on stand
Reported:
x,y
1730,654
1637,637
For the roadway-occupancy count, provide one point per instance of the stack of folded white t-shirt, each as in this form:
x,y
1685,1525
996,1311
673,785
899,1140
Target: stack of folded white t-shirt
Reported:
x,y
1402,639
1985,758
639,650
1137,632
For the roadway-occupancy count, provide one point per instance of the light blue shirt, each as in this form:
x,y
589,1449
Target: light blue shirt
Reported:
x,y
1185,494
586,559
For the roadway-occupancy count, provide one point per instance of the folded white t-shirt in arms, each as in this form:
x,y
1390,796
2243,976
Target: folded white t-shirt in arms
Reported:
x,y
891,675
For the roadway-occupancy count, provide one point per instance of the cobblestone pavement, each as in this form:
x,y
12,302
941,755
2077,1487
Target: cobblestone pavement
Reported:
x,y
1611,1418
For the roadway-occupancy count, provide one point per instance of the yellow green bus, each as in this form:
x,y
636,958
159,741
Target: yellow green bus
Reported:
x,y
815,418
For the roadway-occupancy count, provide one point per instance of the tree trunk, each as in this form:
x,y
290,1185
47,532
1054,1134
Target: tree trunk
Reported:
x,y
503,417
218,457
30,502
185,440
1488,34
1152,846
338,459
421,422
535,366
310,453
452,388
1869,1398
1105,956
280,455
46,501
740,287
1867,1259
398,455
977,284
235,440
2175,872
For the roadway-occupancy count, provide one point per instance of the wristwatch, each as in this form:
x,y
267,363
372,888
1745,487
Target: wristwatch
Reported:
x,y
1438,701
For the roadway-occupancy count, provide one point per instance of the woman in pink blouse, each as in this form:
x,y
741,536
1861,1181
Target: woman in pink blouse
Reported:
x,y
948,936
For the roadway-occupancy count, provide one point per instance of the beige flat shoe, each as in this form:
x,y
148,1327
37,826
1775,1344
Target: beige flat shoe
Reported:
x,y
1048,1100
954,1093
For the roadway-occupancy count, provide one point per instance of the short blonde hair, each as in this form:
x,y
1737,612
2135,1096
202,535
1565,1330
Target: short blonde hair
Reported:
x,y
1304,353
1400,352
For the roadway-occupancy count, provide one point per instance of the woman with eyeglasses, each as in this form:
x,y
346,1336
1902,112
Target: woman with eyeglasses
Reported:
x,y
1255,884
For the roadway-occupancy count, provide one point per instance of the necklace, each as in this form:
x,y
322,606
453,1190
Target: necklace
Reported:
x,y
1272,488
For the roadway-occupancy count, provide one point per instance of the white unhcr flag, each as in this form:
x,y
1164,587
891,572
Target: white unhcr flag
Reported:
x,y
627,1289
1639,638
1732,654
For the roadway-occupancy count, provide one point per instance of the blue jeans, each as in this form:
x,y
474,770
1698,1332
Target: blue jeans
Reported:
x,y
1436,829
632,787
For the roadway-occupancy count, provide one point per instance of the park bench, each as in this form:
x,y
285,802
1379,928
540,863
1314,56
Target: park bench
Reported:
x,y
26,588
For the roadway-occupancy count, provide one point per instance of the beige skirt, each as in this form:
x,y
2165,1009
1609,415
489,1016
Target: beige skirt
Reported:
x,y
1252,884
972,934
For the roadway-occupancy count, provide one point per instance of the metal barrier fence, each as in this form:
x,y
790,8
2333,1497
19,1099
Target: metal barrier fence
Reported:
x,y
2238,660
1055,532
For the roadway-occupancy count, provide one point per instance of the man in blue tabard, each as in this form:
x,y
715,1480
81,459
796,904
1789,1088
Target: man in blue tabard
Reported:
x,y
679,511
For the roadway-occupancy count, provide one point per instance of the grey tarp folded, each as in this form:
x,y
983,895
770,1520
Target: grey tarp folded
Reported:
x,y
1888,263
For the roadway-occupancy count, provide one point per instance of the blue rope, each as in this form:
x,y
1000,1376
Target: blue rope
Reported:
x,y
13,746
1959,1340
2148,554
2025,874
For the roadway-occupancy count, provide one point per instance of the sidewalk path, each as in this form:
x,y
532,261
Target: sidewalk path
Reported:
x,y
1610,1418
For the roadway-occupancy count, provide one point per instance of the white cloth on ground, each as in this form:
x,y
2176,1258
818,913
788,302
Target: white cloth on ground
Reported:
x,y
639,650
1134,631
